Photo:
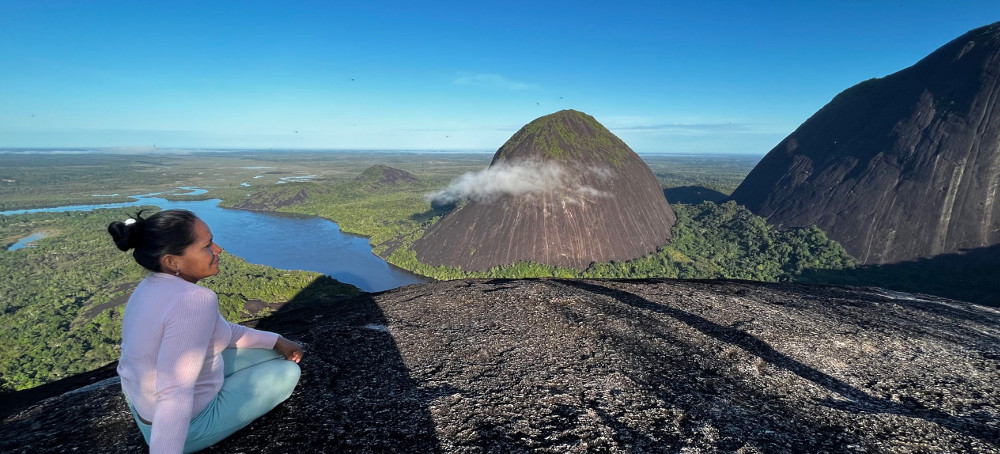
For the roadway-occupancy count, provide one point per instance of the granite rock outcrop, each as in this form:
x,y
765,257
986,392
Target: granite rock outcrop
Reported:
x,y
562,191
900,167
634,366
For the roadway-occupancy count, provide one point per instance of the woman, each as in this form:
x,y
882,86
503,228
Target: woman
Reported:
x,y
190,377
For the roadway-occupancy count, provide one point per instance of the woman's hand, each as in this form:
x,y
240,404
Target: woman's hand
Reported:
x,y
290,350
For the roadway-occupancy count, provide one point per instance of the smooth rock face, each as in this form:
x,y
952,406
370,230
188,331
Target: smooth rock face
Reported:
x,y
596,201
897,168
603,366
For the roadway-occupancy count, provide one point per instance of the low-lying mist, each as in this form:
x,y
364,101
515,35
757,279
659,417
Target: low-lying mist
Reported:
x,y
530,177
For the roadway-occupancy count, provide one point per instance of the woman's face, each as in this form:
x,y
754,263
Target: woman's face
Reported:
x,y
201,258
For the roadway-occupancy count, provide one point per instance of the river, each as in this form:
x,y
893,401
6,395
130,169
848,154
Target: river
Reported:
x,y
285,241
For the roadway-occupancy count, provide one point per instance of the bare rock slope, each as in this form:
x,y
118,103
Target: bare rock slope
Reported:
x,y
603,366
900,167
571,193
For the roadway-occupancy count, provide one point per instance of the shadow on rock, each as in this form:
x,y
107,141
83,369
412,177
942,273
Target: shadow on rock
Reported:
x,y
850,398
969,275
553,365
437,209
355,394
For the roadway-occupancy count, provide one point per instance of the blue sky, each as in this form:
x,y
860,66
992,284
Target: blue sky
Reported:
x,y
666,77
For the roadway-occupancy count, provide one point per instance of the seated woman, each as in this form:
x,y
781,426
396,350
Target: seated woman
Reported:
x,y
190,377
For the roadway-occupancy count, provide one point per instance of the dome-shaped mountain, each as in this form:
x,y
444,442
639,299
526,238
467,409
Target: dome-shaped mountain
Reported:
x,y
563,191
900,167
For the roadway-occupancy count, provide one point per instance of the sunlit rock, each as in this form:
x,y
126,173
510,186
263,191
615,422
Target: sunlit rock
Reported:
x,y
562,191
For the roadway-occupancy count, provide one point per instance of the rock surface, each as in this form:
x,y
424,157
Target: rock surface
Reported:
x,y
900,167
603,366
596,200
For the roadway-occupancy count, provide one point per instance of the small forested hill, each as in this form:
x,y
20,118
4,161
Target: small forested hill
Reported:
x,y
384,213
560,365
281,196
563,191
381,174
897,168
377,179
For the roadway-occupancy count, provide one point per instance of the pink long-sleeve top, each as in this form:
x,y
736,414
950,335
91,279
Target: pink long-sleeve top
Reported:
x,y
170,366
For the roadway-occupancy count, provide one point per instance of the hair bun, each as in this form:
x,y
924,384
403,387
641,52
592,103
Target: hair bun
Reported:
x,y
127,234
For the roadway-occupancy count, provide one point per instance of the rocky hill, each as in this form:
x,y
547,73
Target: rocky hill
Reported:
x,y
602,366
900,167
381,174
562,191
281,196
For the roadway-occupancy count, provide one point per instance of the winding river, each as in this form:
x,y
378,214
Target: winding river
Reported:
x,y
279,240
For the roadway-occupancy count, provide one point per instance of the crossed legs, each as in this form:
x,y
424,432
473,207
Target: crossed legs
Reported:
x,y
257,380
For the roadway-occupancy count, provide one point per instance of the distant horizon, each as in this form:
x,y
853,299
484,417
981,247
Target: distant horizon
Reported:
x,y
134,151
677,78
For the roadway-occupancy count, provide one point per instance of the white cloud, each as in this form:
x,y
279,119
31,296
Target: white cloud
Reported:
x,y
690,128
694,127
520,178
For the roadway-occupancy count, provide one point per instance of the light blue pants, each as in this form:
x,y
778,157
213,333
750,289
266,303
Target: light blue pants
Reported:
x,y
257,380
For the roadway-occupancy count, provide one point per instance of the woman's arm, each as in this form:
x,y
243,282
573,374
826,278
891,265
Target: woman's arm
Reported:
x,y
244,337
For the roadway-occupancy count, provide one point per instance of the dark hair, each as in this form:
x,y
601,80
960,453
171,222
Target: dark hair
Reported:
x,y
165,232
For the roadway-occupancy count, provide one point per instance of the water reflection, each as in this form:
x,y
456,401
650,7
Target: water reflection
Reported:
x,y
26,241
71,208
